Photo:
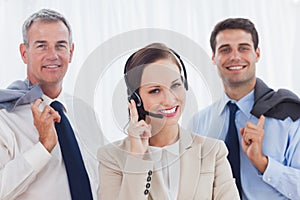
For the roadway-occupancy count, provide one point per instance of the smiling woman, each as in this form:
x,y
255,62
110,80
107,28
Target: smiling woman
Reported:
x,y
158,157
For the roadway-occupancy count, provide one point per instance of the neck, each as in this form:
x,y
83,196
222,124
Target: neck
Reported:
x,y
52,92
49,89
236,92
166,136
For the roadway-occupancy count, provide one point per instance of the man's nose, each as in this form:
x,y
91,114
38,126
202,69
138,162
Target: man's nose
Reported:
x,y
52,53
235,55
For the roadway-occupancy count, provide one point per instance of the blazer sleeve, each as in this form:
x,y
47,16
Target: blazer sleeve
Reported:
x,y
224,184
123,178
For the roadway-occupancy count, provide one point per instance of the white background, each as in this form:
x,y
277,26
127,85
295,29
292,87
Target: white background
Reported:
x,y
95,21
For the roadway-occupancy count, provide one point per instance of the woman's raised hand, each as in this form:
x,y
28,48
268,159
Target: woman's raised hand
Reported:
x,y
139,131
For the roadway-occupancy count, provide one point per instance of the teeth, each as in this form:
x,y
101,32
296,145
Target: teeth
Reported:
x,y
51,67
235,67
169,111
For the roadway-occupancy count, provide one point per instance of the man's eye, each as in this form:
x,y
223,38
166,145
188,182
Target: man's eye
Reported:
x,y
225,50
61,46
41,46
244,48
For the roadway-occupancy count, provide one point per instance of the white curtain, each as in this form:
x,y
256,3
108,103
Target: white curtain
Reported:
x,y
96,21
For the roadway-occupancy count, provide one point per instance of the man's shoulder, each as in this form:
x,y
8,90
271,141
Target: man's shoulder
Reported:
x,y
208,110
12,121
21,110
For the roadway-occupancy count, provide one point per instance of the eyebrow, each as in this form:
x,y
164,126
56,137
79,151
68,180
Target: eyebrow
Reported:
x,y
39,41
62,42
224,45
241,44
157,86
175,80
245,44
44,41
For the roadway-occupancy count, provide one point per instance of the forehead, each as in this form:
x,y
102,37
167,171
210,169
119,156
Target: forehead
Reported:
x,y
161,72
233,37
45,31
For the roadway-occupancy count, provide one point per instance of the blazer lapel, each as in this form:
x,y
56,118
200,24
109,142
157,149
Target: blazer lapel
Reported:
x,y
190,164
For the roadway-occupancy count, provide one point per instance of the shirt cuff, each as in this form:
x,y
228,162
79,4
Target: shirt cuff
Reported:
x,y
37,157
272,168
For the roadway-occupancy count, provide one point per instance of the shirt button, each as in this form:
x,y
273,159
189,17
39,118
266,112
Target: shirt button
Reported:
x,y
146,192
290,194
269,179
147,185
148,178
150,172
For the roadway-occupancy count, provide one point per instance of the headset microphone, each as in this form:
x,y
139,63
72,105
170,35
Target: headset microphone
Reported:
x,y
134,94
160,116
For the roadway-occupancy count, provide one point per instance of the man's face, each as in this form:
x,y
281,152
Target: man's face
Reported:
x,y
48,53
235,57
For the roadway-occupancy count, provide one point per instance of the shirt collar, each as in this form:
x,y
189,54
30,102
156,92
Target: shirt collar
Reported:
x,y
47,100
156,152
173,148
245,104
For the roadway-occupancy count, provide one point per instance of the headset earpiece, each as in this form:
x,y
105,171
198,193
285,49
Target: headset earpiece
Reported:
x,y
184,77
139,105
136,98
184,82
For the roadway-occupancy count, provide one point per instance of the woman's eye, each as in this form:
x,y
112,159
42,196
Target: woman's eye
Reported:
x,y
176,85
154,91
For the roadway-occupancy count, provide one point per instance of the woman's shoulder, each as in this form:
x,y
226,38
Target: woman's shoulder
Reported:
x,y
200,138
206,143
114,149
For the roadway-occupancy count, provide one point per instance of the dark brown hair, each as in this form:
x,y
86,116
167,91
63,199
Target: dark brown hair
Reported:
x,y
136,63
234,23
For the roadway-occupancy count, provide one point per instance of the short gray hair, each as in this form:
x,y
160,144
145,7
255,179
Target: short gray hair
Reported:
x,y
44,15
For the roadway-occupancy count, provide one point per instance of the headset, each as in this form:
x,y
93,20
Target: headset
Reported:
x,y
134,94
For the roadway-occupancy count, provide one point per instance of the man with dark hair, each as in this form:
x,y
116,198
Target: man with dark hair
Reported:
x,y
36,159
260,127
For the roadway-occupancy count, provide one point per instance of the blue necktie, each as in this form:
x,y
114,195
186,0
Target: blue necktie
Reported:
x,y
77,176
233,146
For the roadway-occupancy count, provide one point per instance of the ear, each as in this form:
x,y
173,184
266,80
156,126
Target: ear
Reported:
x,y
213,58
71,52
23,52
257,52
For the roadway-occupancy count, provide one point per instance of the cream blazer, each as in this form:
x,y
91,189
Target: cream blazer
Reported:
x,y
205,172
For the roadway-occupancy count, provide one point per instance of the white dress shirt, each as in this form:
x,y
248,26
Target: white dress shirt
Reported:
x,y
27,169
167,163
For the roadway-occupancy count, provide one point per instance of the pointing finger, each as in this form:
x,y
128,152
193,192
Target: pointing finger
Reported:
x,y
261,122
134,116
242,131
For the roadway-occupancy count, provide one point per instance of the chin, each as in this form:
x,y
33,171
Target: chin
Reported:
x,y
171,121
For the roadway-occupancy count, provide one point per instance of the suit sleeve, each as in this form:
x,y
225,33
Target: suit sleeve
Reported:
x,y
119,182
224,184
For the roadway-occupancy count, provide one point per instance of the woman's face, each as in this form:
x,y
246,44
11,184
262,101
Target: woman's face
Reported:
x,y
162,91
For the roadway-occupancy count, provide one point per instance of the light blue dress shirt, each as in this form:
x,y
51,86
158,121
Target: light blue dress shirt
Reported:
x,y
281,144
